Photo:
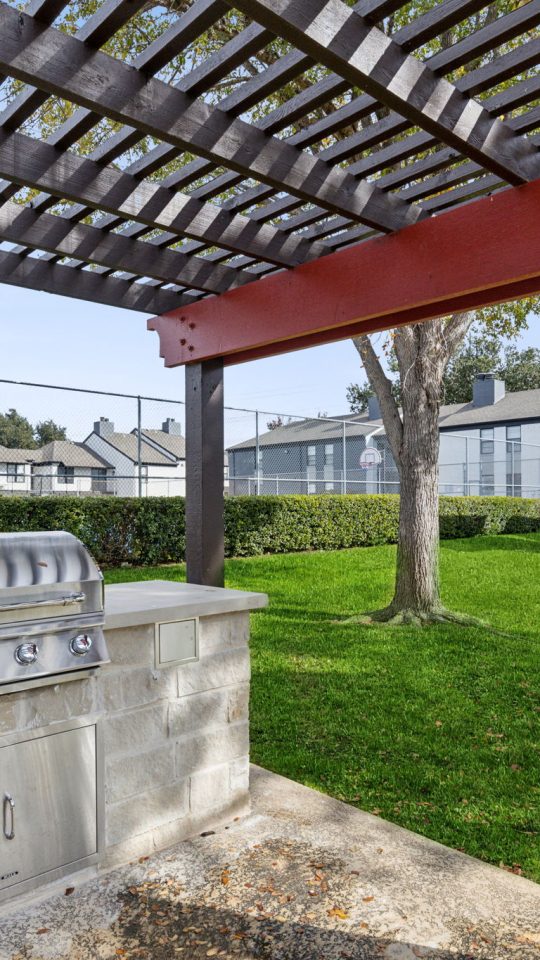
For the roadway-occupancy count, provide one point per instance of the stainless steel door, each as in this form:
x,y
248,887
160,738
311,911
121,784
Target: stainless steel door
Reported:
x,y
48,803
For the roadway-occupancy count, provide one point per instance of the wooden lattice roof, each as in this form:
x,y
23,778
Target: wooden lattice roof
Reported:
x,y
346,130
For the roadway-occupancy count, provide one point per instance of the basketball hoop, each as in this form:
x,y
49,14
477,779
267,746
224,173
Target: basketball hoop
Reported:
x,y
370,457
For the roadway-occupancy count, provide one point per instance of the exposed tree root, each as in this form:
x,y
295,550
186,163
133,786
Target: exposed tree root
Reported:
x,y
417,618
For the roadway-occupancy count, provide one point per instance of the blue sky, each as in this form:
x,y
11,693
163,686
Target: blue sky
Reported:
x,y
57,340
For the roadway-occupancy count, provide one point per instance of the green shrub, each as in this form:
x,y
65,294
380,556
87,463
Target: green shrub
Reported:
x,y
152,530
116,530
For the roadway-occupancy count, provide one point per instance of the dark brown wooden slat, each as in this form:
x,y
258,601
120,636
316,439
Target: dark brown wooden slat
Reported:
x,y
26,161
244,97
198,18
328,31
32,273
478,80
488,38
45,10
415,34
468,191
63,65
362,106
59,235
107,19
508,99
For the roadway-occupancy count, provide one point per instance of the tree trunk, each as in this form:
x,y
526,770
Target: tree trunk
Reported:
x,y
422,352
417,572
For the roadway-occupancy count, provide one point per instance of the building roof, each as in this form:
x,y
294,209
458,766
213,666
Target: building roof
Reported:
x,y
16,455
519,406
70,454
173,443
305,431
58,451
126,443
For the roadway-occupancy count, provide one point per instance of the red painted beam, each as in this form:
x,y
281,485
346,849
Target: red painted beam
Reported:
x,y
482,253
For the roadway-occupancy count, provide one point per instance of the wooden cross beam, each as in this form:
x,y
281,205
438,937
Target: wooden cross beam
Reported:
x,y
28,162
336,36
33,273
62,236
64,66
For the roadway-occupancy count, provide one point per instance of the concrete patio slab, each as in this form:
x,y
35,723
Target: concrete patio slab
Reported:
x,y
304,877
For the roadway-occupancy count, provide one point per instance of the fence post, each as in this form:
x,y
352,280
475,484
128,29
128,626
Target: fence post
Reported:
x,y
257,454
467,489
139,446
344,459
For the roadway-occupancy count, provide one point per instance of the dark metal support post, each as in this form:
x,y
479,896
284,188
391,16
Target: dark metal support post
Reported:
x,y
205,549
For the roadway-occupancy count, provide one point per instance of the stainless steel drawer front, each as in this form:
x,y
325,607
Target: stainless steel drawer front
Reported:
x,y
48,792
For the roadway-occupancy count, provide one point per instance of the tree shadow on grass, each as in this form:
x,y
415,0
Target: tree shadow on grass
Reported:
x,y
488,544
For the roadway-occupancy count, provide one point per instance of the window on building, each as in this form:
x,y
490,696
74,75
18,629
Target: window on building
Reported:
x,y
487,480
329,454
311,456
513,460
15,472
487,442
513,434
99,478
66,474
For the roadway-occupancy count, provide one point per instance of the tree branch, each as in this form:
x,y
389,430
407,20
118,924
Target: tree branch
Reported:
x,y
382,386
454,333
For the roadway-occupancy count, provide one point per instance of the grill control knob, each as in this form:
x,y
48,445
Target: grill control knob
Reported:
x,y
81,644
26,653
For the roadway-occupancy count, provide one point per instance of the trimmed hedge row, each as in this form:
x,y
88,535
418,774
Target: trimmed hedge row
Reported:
x,y
152,530
116,530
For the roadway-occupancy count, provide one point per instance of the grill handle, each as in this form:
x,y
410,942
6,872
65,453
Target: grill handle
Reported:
x,y
59,602
9,808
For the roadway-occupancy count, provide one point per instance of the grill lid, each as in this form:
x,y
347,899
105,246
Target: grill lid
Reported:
x,y
45,575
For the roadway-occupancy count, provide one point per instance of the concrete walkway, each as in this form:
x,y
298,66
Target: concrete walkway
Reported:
x,y
304,877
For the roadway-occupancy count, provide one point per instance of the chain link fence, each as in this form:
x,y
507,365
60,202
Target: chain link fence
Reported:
x,y
84,442
290,454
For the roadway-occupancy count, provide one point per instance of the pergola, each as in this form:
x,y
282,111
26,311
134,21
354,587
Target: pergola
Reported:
x,y
416,195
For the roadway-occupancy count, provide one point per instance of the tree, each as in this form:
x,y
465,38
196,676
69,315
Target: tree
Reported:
x,y
46,431
482,352
16,430
276,422
423,353
521,370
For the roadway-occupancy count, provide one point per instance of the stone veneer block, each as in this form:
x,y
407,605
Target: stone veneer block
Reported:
x,y
175,740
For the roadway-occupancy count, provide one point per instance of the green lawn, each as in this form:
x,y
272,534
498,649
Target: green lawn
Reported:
x,y
436,729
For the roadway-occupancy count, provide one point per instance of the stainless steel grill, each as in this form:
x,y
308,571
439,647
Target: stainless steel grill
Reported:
x,y
51,609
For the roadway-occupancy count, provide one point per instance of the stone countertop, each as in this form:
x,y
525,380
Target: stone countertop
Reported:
x,y
152,601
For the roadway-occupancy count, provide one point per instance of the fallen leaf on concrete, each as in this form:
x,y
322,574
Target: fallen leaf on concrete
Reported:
x,y
68,891
338,912
43,930
528,938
